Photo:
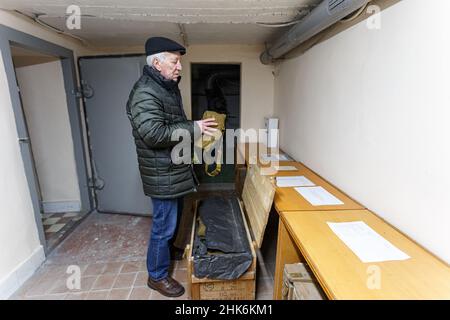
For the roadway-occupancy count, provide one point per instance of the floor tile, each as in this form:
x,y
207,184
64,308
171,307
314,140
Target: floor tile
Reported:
x,y
50,297
55,227
40,288
104,282
134,266
119,294
50,221
97,295
180,275
141,279
87,282
155,295
60,286
264,286
143,265
94,269
71,214
141,293
76,296
124,280
181,264
56,270
112,268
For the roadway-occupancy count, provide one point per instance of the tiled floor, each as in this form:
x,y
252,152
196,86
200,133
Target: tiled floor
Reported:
x,y
58,225
110,252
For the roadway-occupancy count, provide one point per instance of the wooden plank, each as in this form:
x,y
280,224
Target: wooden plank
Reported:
x,y
257,195
249,238
195,291
228,290
249,275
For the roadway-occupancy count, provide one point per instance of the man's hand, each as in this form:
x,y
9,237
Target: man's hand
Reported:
x,y
207,126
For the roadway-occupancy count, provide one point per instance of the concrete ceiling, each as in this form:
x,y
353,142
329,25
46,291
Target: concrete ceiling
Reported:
x,y
110,23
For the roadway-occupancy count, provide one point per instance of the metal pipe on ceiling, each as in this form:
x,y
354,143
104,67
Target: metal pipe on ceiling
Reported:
x,y
324,15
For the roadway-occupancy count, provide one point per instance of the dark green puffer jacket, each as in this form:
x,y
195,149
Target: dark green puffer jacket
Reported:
x,y
155,111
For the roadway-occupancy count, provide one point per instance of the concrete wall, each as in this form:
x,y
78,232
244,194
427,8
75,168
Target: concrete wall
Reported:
x,y
368,110
45,107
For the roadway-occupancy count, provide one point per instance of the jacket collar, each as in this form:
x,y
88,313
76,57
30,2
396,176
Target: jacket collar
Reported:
x,y
157,77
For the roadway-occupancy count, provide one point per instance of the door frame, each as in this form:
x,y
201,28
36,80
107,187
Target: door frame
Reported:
x,y
238,63
220,63
8,37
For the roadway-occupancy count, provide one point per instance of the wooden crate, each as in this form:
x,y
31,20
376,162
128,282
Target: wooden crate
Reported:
x,y
244,287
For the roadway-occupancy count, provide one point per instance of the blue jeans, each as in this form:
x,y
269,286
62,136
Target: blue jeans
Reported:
x,y
166,220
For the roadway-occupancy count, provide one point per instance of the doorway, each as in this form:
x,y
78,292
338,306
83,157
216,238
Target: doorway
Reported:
x,y
21,50
43,101
217,87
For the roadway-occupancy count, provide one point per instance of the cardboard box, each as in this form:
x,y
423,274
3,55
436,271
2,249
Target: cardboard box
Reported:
x,y
307,291
299,283
292,273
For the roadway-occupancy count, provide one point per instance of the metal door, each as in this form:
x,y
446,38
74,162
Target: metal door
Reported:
x,y
108,82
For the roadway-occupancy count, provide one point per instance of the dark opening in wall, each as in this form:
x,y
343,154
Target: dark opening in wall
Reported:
x,y
217,87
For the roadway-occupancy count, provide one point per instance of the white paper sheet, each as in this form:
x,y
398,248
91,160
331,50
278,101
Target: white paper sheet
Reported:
x,y
285,168
294,181
365,243
318,196
274,157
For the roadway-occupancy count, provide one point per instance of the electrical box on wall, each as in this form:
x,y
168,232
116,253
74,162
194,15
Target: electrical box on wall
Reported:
x,y
271,125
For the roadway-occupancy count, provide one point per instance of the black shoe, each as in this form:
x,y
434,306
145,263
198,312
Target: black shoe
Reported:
x,y
168,287
176,253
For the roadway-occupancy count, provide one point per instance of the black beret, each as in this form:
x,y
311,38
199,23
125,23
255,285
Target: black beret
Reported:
x,y
160,44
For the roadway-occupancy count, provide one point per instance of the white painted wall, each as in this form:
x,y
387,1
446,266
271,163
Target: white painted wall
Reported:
x,y
257,81
18,234
369,111
45,107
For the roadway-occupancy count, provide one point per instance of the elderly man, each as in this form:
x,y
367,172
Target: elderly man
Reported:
x,y
155,111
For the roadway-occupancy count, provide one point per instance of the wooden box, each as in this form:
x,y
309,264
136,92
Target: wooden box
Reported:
x,y
257,196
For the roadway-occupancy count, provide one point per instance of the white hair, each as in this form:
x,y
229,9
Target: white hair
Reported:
x,y
161,56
